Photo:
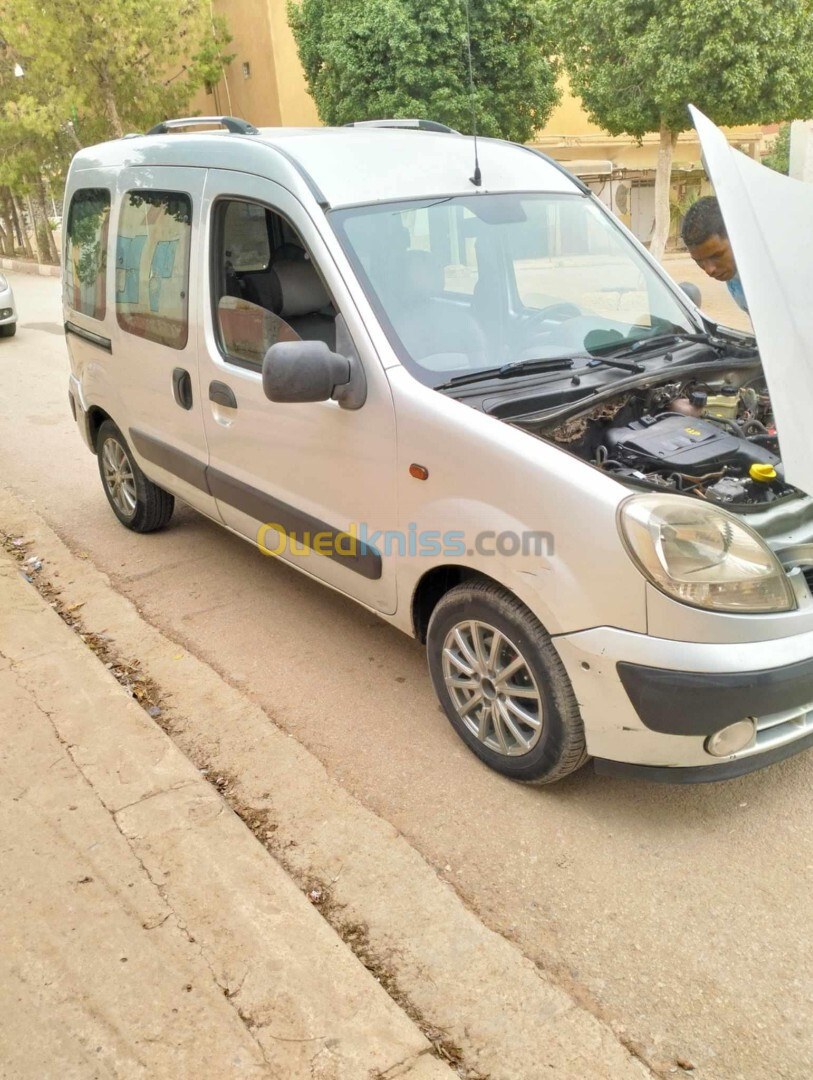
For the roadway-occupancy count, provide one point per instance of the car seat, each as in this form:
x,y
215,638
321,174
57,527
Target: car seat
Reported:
x,y
430,326
304,301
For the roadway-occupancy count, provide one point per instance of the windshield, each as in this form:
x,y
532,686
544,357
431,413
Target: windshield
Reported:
x,y
464,284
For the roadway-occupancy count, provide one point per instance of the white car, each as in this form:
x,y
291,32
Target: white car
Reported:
x,y
473,403
8,309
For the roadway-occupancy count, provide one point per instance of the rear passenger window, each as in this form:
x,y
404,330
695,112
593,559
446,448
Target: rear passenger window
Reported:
x,y
152,266
86,252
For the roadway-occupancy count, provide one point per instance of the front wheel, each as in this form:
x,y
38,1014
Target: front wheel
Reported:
x,y
138,503
502,684
8,329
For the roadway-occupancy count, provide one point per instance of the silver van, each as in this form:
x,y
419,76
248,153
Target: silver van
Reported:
x,y
473,403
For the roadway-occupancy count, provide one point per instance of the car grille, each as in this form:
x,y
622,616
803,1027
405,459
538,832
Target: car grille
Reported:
x,y
779,728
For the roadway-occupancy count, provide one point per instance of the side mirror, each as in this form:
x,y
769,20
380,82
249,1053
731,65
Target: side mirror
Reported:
x,y
692,292
298,371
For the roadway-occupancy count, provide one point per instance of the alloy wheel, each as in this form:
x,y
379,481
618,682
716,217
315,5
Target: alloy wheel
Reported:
x,y
118,477
492,687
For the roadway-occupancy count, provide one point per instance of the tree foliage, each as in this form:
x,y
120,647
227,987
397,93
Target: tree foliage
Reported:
x,y
87,72
370,59
778,157
637,64
79,72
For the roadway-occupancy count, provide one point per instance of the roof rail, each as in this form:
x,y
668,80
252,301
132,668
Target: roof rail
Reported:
x,y
417,125
230,123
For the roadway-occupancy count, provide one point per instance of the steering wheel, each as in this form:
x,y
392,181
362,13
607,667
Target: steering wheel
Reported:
x,y
554,313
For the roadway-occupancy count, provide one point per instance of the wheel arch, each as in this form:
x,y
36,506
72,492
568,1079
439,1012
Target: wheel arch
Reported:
x,y
433,586
96,417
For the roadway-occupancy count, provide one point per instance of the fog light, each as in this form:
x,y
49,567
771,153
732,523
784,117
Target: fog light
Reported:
x,y
731,739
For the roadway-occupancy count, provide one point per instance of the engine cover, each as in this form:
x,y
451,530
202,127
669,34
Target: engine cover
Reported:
x,y
683,444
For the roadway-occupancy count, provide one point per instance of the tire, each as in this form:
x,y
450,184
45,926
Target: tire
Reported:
x,y
545,740
8,330
136,501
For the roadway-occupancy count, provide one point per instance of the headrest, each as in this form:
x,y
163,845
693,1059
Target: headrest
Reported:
x,y
302,288
423,275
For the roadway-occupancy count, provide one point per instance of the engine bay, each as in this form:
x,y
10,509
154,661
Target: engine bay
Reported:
x,y
715,439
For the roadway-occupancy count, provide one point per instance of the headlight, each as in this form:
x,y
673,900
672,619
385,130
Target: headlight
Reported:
x,y
3,282
703,556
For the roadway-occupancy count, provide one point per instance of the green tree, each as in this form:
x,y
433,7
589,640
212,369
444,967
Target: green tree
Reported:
x,y
637,64
79,72
113,67
778,157
370,59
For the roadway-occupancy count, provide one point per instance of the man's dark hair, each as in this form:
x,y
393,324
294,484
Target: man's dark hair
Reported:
x,y
703,220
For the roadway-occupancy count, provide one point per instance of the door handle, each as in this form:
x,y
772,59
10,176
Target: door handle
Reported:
x,y
221,394
182,388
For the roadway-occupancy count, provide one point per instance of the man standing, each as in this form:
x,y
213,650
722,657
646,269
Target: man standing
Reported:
x,y
704,234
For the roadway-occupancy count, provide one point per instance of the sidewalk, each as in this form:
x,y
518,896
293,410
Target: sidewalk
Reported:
x,y
147,933
28,266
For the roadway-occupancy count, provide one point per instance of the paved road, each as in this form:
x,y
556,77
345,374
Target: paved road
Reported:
x,y
680,914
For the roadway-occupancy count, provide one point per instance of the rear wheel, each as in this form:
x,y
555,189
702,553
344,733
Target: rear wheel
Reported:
x,y
138,503
503,686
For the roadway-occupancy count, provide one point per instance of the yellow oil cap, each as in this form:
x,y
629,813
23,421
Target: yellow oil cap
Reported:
x,y
764,474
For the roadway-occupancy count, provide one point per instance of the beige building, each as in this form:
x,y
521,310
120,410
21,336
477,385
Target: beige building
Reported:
x,y
265,84
621,169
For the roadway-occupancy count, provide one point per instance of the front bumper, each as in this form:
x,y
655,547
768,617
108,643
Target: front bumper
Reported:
x,y
701,774
649,704
8,309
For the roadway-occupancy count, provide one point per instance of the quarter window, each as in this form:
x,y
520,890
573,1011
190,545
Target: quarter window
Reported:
x,y
152,266
86,252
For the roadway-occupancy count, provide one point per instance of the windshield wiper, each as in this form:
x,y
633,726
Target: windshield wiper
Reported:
x,y
528,367
612,362
668,339
508,371
560,363
555,363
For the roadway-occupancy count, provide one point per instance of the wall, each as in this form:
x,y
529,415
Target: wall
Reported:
x,y
274,93
296,105
570,136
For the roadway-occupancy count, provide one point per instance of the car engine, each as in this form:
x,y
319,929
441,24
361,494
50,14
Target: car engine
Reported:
x,y
718,441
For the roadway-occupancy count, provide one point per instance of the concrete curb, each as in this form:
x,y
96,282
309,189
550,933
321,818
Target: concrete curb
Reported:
x,y
25,266
302,996
509,1018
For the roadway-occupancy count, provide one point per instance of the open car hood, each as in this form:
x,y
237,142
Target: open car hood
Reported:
x,y
769,218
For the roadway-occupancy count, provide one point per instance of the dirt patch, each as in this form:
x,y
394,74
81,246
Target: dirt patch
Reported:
x,y
128,673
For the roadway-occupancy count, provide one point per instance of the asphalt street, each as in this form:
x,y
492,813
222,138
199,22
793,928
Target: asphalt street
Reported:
x,y
679,914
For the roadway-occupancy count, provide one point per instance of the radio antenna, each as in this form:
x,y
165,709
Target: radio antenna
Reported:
x,y
477,179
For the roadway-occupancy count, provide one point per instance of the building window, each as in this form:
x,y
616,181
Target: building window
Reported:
x,y
246,70
152,266
86,252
